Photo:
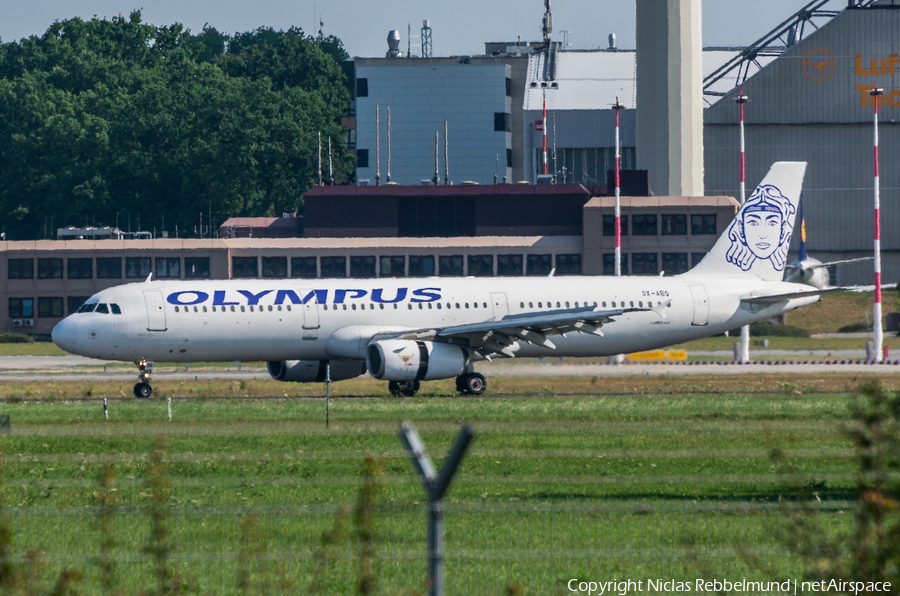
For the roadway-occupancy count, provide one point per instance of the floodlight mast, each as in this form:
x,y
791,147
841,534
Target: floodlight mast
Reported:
x,y
741,99
876,315
617,106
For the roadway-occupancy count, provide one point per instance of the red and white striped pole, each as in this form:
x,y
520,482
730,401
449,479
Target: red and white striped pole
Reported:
x,y
876,323
617,106
544,126
745,330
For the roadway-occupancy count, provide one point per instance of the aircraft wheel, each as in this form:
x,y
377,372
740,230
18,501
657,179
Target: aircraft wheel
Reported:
x,y
394,388
475,384
409,388
143,390
461,384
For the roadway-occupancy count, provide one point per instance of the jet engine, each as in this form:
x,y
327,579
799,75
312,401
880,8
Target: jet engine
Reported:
x,y
313,371
407,360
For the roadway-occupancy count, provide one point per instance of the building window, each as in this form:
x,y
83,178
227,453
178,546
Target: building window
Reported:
x,y
644,263
509,161
609,225
508,87
50,268
73,303
168,267
674,225
362,266
334,266
450,266
674,263
392,266
568,264
50,308
274,267
244,267
703,224
539,265
362,158
508,265
436,216
21,269
643,225
196,267
481,265
609,264
696,257
304,267
109,268
21,307
80,268
362,87
502,122
421,265
137,267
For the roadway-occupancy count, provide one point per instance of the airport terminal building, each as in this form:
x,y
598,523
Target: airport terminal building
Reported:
x,y
389,231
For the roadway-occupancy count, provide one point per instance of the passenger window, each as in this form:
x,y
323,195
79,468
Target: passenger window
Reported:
x,y
485,304
381,306
176,309
232,309
279,308
115,309
467,305
270,308
476,305
195,309
420,306
576,305
457,305
632,304
531,305
289,307
567,305
613,303
344,306
439,305
204,309
102,309
641,304
429,306
242,309
353,307
604,305
539,304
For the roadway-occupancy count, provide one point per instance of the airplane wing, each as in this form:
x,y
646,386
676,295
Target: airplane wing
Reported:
x,y
497,336
829,263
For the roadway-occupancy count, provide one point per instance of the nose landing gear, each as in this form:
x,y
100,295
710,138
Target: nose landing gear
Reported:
x,y
143,389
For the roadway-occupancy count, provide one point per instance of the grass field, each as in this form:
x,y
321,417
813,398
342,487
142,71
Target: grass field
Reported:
x,y
657,477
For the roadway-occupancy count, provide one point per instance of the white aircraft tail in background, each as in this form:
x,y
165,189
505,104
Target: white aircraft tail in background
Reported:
x,y
407,330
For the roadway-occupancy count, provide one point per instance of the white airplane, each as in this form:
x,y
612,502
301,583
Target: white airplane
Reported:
x,y
409,330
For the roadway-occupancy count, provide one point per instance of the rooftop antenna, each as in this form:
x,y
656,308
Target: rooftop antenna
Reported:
x,y
446,157
320,156
389,144
330,165
436,178
377,149
426,39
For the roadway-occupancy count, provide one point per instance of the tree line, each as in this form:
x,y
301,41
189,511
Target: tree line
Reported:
x,y
106,122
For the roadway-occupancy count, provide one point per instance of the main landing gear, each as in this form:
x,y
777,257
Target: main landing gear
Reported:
x,y
471,384
143,389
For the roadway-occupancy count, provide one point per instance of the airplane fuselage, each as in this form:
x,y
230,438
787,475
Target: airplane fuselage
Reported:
x,y
335,319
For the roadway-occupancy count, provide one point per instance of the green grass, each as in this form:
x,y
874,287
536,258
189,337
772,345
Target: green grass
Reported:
x,y
553,488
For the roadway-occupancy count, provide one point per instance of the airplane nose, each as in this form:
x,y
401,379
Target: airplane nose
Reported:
x,y
64,335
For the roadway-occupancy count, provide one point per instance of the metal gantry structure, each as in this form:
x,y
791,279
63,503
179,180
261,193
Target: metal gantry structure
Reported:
x,y
775,42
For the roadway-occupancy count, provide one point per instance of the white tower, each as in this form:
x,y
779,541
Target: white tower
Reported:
x,y
670,96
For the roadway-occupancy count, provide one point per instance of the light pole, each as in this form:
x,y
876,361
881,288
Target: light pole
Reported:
x,y
617,106
745,330
876,324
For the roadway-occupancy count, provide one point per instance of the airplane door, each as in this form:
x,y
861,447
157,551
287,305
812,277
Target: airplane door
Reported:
x,y
701,305
500,305
156,312
310,310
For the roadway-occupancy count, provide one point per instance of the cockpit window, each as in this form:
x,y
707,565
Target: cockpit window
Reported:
x,y
89,307
102,309
115,309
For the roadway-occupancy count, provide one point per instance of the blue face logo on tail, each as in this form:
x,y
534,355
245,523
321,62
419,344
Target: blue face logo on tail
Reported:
x,y
762,229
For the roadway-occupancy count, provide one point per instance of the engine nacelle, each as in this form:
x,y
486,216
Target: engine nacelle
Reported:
x,y
313,371
407,360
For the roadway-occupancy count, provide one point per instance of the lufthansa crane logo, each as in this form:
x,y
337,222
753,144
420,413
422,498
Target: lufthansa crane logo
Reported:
x,y
818,64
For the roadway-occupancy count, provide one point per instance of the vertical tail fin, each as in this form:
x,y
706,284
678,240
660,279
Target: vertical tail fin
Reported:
x,y
756,242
